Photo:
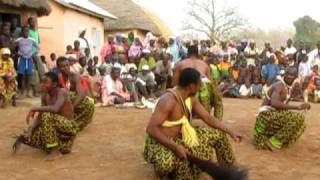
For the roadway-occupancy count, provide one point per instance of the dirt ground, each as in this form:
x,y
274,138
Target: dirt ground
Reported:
x,y
110,148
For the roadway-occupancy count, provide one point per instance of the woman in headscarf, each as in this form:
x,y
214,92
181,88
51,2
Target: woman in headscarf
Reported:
x,y
173,49
8,84
136,48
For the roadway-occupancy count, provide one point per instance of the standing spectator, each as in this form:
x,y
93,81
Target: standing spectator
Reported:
x,y
314,56
251,52
136,48
107,48
8,84
224,66
53,61
69,49
5,37
25,67
84,43
15,29
76,49
163,72
130,38
290,49
266,53
173,49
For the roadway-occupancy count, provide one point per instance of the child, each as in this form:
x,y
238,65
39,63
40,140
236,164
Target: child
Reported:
x,y
316,92
224,66
245,89
69,49
309,82
243,74
95,81
53,63
25,65
256,88
266,87
234,72
304,68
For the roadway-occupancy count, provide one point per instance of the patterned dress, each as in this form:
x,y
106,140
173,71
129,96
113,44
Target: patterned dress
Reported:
x,y
8,84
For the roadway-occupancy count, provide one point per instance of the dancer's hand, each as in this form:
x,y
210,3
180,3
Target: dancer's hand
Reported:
x,y
30,116
237,137
181,152
304,106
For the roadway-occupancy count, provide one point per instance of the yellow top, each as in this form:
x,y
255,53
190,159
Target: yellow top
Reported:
x,y
189,135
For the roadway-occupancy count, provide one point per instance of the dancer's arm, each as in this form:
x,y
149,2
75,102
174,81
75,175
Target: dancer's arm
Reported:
x,y
80,92
55,108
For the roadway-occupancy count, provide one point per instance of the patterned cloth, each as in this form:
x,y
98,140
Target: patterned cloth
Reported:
x,y
54,131
8,84
210,97
169,166
84,111
281,128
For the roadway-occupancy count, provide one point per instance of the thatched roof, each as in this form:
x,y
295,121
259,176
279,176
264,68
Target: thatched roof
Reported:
x,y
130,16
41,6
164,29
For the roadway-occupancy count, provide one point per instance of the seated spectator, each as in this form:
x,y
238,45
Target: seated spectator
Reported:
x,y
53,62
146,80
113,91
309,83
270,70
95,81
245,89
266,88
234,72
84,66
136,48
147,59
163,72
130,82
8,84
316,93
230,88
224,66
256,88
130,64
75,67
106,65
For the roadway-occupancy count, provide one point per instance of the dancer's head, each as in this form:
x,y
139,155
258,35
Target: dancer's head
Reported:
x,y
190,80
49,82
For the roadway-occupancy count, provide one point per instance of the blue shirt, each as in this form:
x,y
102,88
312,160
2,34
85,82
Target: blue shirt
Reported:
x,y
270,71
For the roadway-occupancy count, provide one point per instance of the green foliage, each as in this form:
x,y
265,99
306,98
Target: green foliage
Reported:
x,y
307,31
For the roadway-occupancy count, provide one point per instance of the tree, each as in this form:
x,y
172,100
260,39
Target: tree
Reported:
x,y
307,30
204,17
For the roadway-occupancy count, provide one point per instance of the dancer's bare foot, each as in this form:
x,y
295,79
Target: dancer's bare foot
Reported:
x,y
17,144
271,147
54,155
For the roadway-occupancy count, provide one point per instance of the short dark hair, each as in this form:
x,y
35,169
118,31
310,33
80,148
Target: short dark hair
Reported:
x,y
30,19
60,60
189,76
193,50
53,76
24,28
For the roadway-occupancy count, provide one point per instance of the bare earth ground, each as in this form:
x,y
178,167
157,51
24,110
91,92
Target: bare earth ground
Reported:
x,y
110,148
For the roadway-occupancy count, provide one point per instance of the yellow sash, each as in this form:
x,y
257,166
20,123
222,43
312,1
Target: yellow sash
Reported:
x,y
189,135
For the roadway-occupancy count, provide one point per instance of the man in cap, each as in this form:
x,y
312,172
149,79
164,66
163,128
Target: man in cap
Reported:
x,y
112,88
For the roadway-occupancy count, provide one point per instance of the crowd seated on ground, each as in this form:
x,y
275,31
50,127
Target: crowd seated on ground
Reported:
x,y
129,70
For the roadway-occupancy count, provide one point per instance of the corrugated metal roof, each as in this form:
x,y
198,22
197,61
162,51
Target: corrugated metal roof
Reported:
x,y
86,6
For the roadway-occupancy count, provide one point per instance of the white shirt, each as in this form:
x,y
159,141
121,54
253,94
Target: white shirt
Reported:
x,y
290,50
304,69
314,58
244,91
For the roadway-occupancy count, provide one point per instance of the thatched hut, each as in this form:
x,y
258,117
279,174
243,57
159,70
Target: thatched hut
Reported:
x,y
22,9
131,18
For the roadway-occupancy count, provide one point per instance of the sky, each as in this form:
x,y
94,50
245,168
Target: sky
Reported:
x,y
265,14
